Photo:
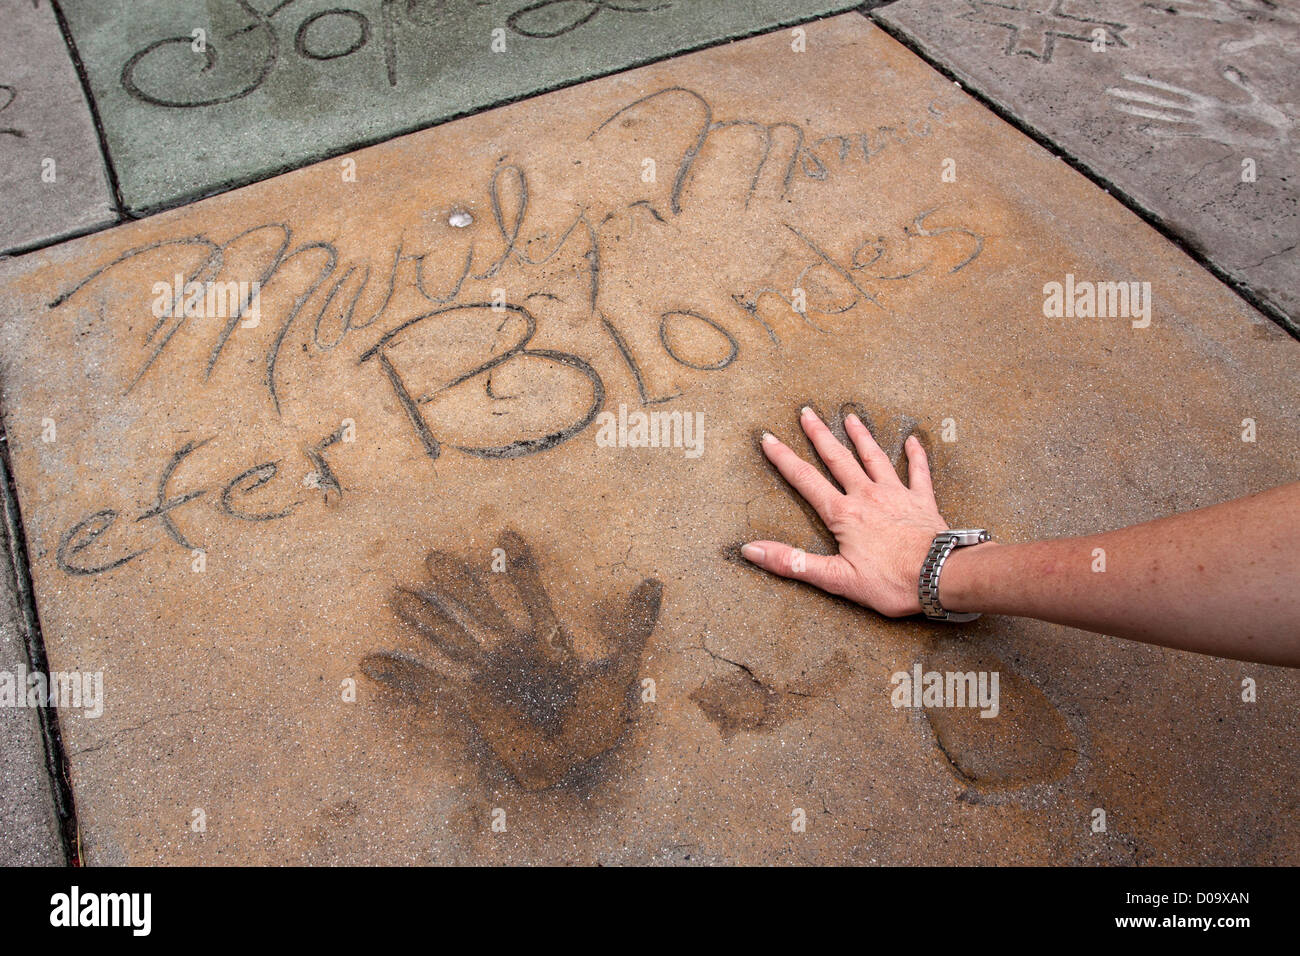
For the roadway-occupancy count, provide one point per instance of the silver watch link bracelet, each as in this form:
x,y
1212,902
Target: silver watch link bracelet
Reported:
x,y
928,587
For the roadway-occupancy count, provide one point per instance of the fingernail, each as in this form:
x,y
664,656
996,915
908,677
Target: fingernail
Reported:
x,y
768,438
752,552
851,417
806,411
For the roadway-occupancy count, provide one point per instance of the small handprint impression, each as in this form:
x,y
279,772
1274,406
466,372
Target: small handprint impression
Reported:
x,y
543,710
1253,123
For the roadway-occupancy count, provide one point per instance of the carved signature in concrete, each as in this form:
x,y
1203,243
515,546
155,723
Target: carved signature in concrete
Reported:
x,y
10,94
175,72
518,351
1035,27
545,713
417,317
1177,111
334,284
552,18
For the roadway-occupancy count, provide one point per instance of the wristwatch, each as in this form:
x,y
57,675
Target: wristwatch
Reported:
x,y
928,587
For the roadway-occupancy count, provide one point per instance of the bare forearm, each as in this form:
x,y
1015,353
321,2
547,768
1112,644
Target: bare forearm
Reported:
x,y
1223,580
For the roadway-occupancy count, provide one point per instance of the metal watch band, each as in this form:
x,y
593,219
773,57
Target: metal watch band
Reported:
x,y
928,586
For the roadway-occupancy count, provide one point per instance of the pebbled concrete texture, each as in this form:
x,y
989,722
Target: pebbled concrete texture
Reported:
x,y
52,178
288,83
1188,107
368,581
29,832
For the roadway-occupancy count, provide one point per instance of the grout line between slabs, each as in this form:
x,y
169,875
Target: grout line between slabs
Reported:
x,y
56,762
110,172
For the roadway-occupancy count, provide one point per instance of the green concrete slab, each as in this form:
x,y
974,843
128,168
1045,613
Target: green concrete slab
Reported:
x,y
283,83
53,182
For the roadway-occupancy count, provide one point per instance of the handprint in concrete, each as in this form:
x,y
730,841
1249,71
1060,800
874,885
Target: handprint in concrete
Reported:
x,y
1176,111
543,711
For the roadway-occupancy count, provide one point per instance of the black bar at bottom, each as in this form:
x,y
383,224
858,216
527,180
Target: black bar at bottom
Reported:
x,y
1039,906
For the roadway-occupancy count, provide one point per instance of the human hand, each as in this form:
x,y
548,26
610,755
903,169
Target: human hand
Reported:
x,y
884,528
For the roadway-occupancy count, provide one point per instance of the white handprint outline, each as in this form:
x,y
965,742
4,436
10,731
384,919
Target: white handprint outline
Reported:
x,y
1184,112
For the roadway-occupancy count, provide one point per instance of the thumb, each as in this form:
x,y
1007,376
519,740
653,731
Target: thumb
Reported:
x,y
628,628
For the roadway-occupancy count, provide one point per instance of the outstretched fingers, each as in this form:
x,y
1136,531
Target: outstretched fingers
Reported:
x,y
841,462
424,610
831,573
918,466
803,477
462,588
526,576
874,460
408,676
632,627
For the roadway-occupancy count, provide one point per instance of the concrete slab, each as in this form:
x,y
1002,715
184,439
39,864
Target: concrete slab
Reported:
x,y
249,523
1187,106
279,85
29,831
52,178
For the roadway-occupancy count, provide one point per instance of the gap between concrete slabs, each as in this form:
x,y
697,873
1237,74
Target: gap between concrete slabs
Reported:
x,y
36,803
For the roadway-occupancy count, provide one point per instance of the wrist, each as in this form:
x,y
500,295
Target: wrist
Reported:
x,y
910,557
961,583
